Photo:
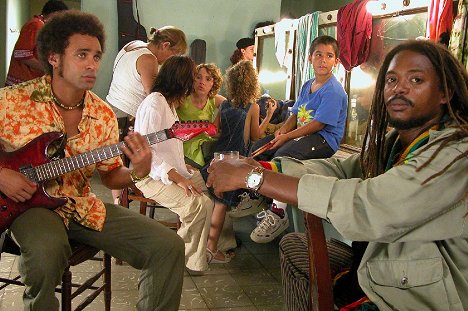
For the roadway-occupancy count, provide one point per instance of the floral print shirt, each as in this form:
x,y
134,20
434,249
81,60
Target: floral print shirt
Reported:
x,y
27,110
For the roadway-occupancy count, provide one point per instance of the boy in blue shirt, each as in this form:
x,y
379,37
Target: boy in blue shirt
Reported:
x,y
313,130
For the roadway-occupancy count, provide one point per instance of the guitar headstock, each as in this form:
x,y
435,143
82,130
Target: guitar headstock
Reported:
x,y
189,129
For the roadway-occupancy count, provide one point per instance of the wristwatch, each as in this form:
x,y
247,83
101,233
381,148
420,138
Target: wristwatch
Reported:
x,y
135,178
254,179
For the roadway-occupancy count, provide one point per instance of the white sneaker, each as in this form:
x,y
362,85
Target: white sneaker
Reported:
x,y
248,206
270,227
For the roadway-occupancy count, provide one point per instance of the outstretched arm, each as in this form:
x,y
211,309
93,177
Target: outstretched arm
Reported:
x,y
229,175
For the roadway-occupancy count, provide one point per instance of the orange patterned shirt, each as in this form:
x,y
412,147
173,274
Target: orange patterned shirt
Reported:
x,y
27,110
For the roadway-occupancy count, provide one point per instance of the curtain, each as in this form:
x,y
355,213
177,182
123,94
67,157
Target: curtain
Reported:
x,y
458,39
307,31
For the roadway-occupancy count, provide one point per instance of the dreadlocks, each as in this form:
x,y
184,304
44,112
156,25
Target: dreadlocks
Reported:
x,y
453,81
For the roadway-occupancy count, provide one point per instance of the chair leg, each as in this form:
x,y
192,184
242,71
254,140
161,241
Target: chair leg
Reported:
x,y
107,281
124,198
151,213
66,290
143,206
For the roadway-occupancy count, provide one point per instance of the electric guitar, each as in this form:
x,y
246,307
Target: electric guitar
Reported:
x,y
32,161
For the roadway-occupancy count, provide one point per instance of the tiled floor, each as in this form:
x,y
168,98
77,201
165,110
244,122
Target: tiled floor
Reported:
x,y
251,281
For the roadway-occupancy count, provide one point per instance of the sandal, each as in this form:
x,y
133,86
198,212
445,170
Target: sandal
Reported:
x,y
211,257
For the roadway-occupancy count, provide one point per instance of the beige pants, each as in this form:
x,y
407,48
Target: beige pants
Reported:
x,y
194,212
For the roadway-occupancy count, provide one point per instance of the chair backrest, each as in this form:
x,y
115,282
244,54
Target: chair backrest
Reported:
x,y
321,290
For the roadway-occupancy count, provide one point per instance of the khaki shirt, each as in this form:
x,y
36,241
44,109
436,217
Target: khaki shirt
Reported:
x,y
417,258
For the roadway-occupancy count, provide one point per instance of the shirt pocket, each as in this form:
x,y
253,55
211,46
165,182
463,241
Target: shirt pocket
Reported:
x,y
409,284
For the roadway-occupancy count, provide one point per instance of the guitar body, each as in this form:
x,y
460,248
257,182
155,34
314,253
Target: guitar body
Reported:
x,y
32,154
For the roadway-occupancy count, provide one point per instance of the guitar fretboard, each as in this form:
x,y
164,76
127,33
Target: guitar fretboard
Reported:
x,y
60,167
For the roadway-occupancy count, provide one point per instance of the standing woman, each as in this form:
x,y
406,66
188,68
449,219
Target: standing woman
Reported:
x,y
135,69
245,50
201,104
136,66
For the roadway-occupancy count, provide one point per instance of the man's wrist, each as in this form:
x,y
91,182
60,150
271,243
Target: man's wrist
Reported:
x,y
135,178
254,179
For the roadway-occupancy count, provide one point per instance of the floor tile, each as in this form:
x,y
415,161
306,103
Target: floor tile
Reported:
x,y
192,300
249,278
125,280
222,297
214,280
265,295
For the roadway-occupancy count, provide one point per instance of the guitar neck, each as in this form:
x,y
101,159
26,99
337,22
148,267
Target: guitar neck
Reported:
x,y
54,169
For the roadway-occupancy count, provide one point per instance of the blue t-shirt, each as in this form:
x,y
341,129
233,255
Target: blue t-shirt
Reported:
x,y
328,105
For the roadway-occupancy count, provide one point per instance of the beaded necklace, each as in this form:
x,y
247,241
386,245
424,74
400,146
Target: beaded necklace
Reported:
x,y
58,103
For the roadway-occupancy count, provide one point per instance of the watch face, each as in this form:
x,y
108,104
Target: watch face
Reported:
x,y
254,180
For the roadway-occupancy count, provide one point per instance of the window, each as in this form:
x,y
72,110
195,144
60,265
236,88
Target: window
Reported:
x,y
387,32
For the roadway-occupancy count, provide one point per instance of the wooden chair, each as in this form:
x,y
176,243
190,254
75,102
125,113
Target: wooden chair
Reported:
x,y
80,254
133,194
321,291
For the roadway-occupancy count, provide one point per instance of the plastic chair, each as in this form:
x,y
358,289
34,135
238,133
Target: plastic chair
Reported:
x,y
80,254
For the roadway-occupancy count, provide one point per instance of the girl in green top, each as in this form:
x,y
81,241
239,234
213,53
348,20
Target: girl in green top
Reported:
x,y
201,104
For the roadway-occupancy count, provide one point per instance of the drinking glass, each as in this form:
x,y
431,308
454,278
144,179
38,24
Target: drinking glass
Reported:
x,y
226,155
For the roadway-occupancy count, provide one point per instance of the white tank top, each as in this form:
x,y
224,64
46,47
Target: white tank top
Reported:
x,y
126,91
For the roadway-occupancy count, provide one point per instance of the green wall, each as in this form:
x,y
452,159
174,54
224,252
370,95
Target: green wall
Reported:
x,y
298,8
16,14
220,23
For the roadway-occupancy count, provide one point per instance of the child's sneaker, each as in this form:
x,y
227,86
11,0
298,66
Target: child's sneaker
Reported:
x,y
270,227
248,205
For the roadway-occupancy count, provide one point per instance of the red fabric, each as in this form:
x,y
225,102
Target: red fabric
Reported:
x,y
354,31
354,305
265,164
25,48
440,18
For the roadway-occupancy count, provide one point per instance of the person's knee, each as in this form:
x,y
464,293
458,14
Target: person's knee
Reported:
x,y
47,261
286,151
203,205
166,242
292,238
294,255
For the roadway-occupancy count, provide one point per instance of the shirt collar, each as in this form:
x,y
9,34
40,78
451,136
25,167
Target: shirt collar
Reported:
x,y
43,93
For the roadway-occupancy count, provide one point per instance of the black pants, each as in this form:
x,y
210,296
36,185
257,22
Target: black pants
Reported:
x,y
312,146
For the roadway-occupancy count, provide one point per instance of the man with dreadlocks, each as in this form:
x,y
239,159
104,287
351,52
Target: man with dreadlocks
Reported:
x,y
404,197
